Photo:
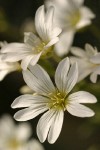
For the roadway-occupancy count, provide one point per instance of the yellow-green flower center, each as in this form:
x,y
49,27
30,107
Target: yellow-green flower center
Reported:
x,y
57,101
13,143
74,18
41,48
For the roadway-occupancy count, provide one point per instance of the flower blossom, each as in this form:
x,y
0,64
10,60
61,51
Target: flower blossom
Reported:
x,y
34,145
12,136
88,62
25,90
7,67
52,100
34,46
70,15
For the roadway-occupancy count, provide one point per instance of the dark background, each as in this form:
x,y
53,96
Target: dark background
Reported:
x,y
77,133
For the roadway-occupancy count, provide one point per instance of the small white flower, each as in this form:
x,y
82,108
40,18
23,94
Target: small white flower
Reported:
x,y
34,46
6,67
25,90
53,100
70,15
34,145
12,136
88,62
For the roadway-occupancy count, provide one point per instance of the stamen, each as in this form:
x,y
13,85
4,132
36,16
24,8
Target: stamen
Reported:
x,y
41,48
57,101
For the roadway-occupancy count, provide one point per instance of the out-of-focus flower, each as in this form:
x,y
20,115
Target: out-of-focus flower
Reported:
x,y
28,26
12,136
26,90
6,67
34,145
88,62
70,15
34,46
53,100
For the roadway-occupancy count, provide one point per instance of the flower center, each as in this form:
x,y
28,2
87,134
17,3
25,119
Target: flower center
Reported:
x,y
57,101
13,143
41,48
74,18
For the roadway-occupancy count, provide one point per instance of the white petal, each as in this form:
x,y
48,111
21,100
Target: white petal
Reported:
x,y
78,52
83,23
25,90
6,125
93,77
84,67
55,32
44,24
61,74
72,78
95,59
97,69
29,100
44,124
79,110
3,73
86,16
33,143
56,127
30,59
29,113
38,80
25,62
83,75
65,79
2,44
8,66
40,22
90,50
23,132
52,42
80,2
14,47
13,57
55,3
82,97
49,19
65,41
87,13
35,59
31,39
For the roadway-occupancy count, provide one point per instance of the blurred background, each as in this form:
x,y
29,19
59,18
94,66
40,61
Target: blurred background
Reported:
x,y
17,17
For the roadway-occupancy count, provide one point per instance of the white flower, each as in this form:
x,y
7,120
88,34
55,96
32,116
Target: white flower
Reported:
x,y
88,62
53,100
70,15
25,90
34,145
6,67
34,46
12,136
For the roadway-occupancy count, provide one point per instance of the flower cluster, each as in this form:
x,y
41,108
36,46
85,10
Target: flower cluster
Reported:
x,y
56,23
88,62
16,137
